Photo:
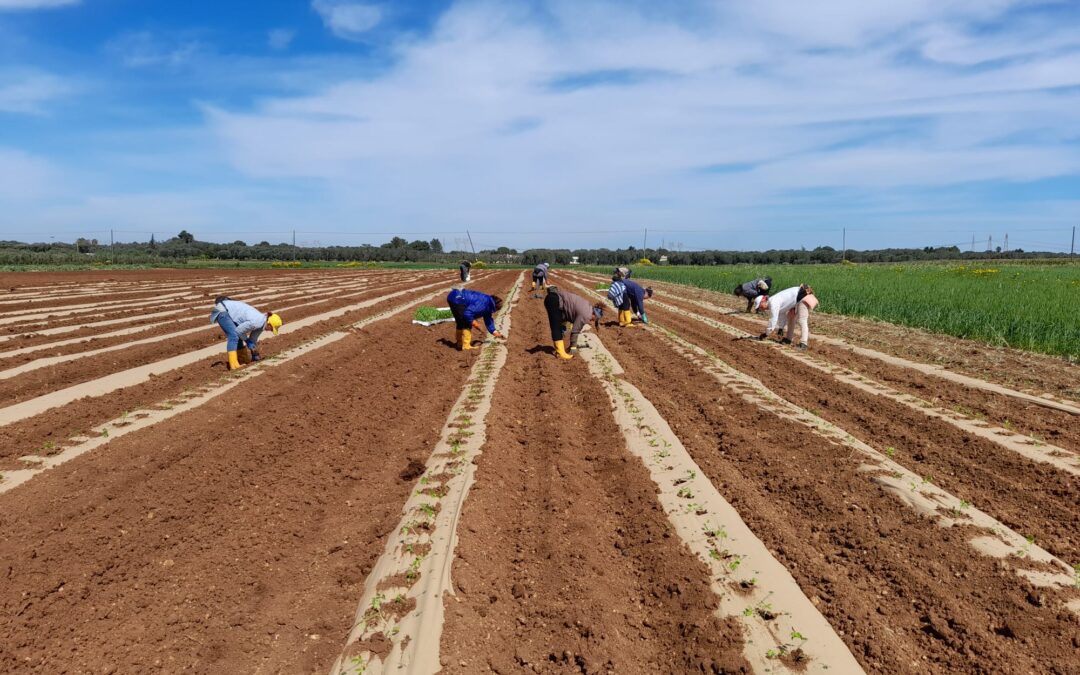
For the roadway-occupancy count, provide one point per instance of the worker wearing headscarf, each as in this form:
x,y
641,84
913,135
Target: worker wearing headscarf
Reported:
x,y
785,308
622,272
568,311
637,296
469,308
465,269
752,289
240,321
540,275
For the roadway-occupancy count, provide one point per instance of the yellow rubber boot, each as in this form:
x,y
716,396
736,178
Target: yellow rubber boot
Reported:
x,y
534,285
234,362
466,339
560,350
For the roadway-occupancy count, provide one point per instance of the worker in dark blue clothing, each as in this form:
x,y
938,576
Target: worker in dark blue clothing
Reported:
x,y
637,296
469,308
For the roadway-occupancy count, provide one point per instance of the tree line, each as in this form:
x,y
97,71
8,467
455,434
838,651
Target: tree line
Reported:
x,y
184,246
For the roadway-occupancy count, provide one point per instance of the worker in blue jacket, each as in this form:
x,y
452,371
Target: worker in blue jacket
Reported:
x,y
637,296
468,308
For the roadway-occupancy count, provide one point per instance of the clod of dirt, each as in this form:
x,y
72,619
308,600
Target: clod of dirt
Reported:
x,y
412,470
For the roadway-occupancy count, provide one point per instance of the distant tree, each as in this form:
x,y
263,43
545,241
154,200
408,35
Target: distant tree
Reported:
x,y
436,246
238,243
396,242
153,243
186,237
420,245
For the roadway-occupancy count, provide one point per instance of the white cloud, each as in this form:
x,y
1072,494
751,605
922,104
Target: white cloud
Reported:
x,y
348,20
35,4
145,48
427,141
280,38
29,92
599,115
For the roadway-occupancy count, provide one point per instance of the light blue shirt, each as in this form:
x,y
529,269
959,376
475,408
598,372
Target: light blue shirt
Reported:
x,y
246,317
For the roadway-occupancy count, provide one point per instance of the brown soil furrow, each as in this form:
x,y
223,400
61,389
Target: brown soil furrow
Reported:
x,y
138,419
56,425
38,382
53,325
906,594
566,561
1034,498
1042,376
161,332
401,609
1044,425
232,538
753,587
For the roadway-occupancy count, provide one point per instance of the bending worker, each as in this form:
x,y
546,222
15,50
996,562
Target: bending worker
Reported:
x,y
619,296
637,296
785,308
468,308
465,268
540,275
564,309
752,289
241,321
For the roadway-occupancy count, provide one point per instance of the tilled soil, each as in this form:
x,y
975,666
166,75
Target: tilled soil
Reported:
x,y
236,537
1009,367
566,562
1033,498
905,594
43,380
56,425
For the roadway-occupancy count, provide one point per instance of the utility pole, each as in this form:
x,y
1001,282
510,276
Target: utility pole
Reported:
x,y
294,238
1072,246
1006,242
989,243
112,242
470,243
644,243
843,256
972,242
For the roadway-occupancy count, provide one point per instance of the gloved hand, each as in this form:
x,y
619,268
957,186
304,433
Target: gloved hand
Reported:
x,y
780,333
644,319
497,334
476,324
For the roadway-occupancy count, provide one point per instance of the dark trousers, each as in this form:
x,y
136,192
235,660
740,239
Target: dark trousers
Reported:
x,y
459,317
555,317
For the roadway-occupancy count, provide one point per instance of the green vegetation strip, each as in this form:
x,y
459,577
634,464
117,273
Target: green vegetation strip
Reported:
x,y
1025,306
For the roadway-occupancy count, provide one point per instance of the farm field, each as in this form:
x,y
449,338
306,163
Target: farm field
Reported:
x,y
676,499
1025,306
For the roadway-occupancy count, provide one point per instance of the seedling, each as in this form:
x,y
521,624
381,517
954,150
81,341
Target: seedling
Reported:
x,y
413,572
890,451
104,433
685,493
715,532
690,475
1076,575
1026,548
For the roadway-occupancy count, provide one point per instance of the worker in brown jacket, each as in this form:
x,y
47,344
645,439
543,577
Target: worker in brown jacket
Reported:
x,y
566,310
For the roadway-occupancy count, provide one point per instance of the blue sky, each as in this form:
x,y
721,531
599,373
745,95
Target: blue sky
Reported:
x,y
564,123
